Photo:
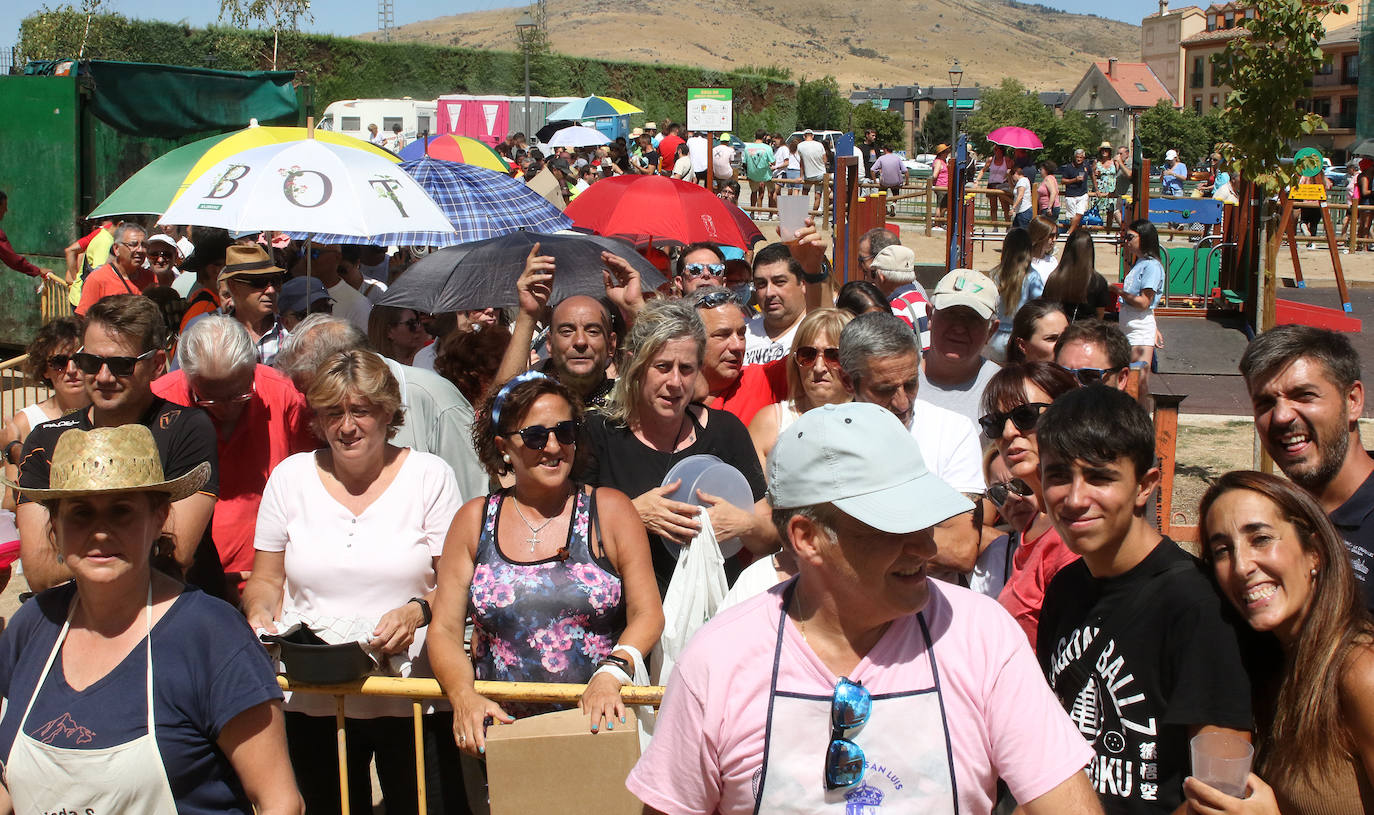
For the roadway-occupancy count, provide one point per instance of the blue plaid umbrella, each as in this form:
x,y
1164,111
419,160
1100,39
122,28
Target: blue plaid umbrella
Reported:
x,y
480,203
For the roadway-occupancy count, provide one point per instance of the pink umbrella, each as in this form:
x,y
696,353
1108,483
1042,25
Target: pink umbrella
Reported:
x,y
1017,138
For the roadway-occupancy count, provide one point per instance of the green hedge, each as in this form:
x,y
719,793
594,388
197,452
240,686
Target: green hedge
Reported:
x,y
342,68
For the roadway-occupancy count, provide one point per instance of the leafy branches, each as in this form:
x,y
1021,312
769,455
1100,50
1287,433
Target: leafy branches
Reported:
x,y
277,15
1268,72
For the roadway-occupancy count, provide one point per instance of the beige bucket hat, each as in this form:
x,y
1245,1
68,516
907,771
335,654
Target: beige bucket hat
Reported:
x,y
112,460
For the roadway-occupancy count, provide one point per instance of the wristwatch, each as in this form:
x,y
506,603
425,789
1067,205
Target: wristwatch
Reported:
x,y
425,611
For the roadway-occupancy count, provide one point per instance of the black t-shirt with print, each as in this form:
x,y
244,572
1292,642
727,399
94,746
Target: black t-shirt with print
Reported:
x,y
1172,662
184,437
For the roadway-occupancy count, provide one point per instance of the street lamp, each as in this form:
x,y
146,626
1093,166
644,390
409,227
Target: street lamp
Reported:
x,y
524,27
956,75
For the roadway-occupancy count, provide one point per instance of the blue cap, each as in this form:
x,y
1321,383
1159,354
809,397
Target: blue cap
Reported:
x,y
300,293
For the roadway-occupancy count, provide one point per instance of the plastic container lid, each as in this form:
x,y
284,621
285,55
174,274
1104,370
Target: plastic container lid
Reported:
x,y
712,476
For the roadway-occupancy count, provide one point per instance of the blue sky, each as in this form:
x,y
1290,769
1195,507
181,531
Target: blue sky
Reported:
x,y
357,16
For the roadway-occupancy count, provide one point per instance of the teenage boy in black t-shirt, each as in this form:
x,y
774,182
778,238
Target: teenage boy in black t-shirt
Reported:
x,y
1133,638
124,342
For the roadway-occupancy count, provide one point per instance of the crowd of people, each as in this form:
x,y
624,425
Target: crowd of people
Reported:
x,y
944,561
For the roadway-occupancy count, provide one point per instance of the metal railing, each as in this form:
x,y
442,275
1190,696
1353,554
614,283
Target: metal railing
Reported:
x,y
417,690
16,392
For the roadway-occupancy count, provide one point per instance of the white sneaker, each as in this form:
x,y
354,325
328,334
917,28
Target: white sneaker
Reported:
x,y
937,229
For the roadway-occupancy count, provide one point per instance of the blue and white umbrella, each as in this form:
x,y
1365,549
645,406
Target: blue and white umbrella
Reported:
x,y
578,136
479,203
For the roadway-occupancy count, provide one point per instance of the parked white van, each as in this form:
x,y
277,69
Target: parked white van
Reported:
x,y
352,116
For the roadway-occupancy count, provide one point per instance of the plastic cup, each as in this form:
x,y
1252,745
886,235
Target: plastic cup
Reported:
x,y
1222,761
792,212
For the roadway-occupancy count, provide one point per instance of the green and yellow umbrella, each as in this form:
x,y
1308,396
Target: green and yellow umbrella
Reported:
x,y
151,190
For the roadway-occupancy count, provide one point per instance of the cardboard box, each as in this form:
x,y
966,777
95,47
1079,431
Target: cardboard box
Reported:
x,y
554,763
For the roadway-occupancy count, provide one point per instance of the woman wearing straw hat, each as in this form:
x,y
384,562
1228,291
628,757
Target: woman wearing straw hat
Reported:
x,y
126,691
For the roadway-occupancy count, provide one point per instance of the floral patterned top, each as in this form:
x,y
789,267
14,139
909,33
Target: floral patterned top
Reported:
x,y
547,621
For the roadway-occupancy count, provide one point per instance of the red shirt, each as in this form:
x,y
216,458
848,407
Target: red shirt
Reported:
x,y
275,424
106,281
667,152
758,387
1034,565
13,259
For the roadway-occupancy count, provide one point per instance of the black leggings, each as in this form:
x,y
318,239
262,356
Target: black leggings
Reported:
x,y
313,746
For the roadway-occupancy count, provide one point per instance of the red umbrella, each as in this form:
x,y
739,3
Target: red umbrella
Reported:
x,y
1017,138
746,225
645,208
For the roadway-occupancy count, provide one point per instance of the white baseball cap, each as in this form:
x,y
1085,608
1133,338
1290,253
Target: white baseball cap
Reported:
x,y
1171,155
966,287
861,458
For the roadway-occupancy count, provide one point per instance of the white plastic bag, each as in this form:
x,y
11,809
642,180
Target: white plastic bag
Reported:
x,y
695,592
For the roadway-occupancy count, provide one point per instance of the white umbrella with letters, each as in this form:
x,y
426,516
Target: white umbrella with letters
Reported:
x,y
308,186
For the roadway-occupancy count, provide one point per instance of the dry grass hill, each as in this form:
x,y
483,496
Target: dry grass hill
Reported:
x,y
894,43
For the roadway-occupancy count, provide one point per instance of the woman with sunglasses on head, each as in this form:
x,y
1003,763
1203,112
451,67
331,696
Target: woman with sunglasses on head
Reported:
x,y
556,574
48,363
1013,402
348,538
813,377
1140,293
652,424
1034,331
396,333
1283,566
1076,283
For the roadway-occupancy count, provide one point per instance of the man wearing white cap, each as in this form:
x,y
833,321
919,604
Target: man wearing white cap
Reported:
x,y
962,313
892,268
861,683
1174,174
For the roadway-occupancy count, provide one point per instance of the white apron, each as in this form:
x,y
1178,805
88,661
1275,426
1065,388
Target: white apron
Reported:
x,y
126,779
905,743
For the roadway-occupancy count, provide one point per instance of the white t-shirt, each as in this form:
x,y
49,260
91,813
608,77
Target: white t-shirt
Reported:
x,y
966,398
358,567
1001,718
721,157
374,290
949,445
424,358
699,149
782,159
350,304
1022,183
682,168
760,348
812,155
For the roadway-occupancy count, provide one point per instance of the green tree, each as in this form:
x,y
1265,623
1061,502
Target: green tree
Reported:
x,y
820,105
1268,72
887,124
1074,130
935,128
281,16
1165,127
69,30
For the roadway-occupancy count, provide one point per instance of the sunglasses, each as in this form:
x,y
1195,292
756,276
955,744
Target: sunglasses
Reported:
x,y
262,281
413,323
58,362
160,253
806,354
999,492
715,299
536,436
1091,376
90,364
232,400
1023,417
850,705
703,269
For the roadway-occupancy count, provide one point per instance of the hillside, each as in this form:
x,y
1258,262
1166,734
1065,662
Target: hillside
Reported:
x,y
896,43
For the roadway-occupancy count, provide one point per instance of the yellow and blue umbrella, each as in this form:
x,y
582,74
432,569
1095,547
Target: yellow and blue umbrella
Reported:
x,y
592,107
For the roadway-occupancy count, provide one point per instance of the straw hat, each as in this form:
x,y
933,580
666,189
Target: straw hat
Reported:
x,y
109,460
940,148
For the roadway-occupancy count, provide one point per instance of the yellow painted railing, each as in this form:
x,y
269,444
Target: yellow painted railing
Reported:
x,y
54,301
417,689
16,392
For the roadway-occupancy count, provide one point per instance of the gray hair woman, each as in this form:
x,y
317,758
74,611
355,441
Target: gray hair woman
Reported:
x,y
162,700
651,424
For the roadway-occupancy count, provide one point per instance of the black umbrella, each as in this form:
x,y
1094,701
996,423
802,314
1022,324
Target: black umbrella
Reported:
x,y
483,274
546,132
1365,148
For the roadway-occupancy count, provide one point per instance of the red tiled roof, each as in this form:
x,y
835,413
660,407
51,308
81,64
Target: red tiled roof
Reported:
x,y
1218,35
1127,75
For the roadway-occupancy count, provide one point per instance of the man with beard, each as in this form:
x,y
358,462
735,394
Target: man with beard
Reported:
x,y
1305,387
